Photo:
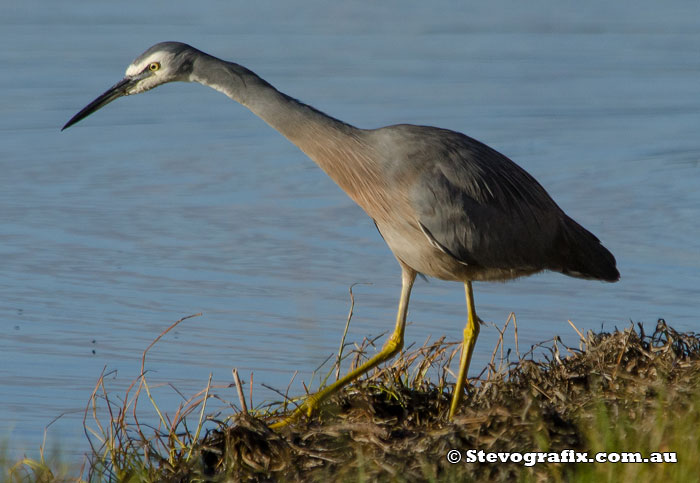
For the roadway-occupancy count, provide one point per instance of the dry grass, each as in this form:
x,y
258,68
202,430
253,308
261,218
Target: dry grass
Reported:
x,y
393,424
620,391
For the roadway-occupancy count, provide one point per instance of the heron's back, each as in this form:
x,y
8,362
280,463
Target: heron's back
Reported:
x,y
473,204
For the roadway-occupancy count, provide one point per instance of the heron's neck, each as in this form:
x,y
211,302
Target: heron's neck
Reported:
x,y
338,148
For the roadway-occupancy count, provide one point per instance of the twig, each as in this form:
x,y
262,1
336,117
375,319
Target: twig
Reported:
x,y
239,389
250,389
515,328
345,332
583,339
175,324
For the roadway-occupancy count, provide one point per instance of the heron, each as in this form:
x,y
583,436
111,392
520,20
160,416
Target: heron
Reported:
x,y
447,205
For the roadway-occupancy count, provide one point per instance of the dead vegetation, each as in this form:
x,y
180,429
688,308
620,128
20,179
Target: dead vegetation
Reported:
x,y
392,425
627,390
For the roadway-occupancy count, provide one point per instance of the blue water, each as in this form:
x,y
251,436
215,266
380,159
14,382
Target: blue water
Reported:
x,y
180,201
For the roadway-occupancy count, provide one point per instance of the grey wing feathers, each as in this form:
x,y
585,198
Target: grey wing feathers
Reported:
x,y
483,209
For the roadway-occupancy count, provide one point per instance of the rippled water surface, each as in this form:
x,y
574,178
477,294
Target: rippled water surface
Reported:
x,y
180,201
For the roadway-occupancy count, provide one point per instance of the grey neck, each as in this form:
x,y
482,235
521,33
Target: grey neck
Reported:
x,y
343,151
291,118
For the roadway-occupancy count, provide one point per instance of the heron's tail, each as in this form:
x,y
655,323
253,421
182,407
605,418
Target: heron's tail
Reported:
x,y
583,256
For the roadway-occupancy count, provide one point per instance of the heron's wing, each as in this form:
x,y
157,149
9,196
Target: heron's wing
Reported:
x,y
481,208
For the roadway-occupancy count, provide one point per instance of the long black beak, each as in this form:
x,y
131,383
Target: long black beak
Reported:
x,y
116,91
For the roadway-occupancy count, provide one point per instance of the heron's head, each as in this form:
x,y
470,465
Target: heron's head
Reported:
x,y
164,62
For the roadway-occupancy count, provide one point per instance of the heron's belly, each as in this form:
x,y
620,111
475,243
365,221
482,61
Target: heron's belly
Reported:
x,y
411,246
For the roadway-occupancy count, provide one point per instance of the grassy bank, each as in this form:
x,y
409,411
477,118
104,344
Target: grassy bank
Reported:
x,y
626,391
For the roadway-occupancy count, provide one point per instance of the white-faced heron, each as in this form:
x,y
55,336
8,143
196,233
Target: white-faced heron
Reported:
x,y
447,205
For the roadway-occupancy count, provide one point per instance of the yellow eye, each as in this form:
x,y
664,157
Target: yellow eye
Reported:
x,y
154,66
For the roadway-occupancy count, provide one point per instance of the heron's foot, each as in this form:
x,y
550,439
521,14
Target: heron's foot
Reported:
x,y
307,408
392,346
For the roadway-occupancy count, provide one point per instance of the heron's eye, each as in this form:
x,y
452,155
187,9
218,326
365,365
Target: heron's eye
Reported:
x,y
154,66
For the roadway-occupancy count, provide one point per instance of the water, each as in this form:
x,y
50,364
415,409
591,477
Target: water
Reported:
x,y
181,201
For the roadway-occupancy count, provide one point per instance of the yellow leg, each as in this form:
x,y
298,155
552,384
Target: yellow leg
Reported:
x,y
391,347
471,332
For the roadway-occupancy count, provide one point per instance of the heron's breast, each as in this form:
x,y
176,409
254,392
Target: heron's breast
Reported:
x,y
408,243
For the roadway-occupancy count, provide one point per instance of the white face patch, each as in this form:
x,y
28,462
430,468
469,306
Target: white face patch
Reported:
x,y
145,85
139,65
156,78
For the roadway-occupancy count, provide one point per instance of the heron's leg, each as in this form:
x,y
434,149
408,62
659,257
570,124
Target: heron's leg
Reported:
x,y
390,348
471,332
